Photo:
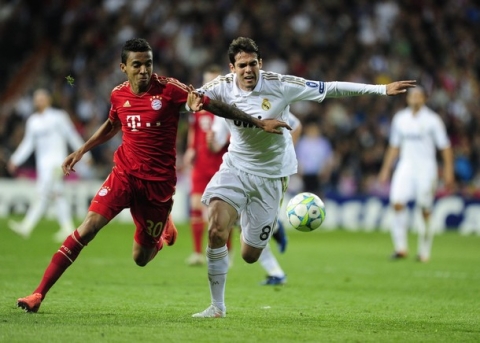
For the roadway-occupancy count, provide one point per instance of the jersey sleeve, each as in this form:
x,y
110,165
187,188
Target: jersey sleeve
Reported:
x,y
345,89
26,147
112,114
296,88
395,137
210,90
440,134
178,90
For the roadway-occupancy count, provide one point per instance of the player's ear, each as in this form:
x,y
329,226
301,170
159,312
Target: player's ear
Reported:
x,y
123,67
260,63
232,67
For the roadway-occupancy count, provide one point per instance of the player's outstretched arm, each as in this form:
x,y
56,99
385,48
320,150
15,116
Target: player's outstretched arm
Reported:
x,y
197,102
338,89
230,112
400,87
103,134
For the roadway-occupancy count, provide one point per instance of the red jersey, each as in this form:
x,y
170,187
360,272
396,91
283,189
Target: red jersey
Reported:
x,y
206,161
149,126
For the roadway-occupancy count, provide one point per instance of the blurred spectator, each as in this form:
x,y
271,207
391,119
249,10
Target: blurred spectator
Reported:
x,y
315,157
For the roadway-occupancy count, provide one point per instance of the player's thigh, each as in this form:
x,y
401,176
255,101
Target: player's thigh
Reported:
x,y
227,185
259,217
113,196
402,189
150,209
47,179
426,186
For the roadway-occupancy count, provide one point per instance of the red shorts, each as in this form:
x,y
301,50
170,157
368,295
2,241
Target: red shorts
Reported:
x,y
150,203
200,180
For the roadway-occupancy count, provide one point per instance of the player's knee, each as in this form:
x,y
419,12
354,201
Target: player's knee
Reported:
x,y
217,235
250,258
139,261
141,255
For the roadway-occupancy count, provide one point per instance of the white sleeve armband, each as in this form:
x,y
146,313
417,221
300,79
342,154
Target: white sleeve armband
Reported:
x,y
344,89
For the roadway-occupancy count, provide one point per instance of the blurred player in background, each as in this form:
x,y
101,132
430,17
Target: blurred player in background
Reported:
x,y
203,163
253,177
49,132
218,138
416,132
147,109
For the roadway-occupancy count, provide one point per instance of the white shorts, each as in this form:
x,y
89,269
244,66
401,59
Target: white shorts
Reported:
x,y
413,185
257,199
50,181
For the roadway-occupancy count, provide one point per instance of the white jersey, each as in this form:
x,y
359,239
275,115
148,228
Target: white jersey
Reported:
x,y
260,153
48,134
417,137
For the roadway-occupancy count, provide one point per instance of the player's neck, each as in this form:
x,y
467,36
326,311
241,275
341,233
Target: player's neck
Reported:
x,y
416,109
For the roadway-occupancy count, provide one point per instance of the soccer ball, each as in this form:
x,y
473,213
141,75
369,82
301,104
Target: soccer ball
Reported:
x,y
306,212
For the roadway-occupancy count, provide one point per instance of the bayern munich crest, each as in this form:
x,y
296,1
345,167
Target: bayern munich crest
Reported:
x,y
156,104
103,191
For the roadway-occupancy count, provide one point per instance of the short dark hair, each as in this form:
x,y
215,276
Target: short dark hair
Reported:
x,y
418,88
134,45
242,44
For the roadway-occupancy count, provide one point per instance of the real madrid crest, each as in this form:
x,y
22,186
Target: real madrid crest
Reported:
x,y
266,105
156,102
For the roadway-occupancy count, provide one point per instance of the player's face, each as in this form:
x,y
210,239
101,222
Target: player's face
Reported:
x,y
415,98
247,67
41,100
139,68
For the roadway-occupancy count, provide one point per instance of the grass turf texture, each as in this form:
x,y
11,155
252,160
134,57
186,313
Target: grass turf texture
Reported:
x,y
341,288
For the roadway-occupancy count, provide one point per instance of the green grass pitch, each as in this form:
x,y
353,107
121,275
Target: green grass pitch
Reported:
x,y
341,288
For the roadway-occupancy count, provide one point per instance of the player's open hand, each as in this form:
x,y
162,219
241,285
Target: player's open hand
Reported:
x,y
400,87
194,100
273,126
70,161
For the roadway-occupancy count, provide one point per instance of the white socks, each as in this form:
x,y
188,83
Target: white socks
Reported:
x,y
399,231
217,261
425,238
34,214
270,263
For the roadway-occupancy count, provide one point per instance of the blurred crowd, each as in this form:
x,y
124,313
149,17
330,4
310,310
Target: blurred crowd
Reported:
x,y
435,42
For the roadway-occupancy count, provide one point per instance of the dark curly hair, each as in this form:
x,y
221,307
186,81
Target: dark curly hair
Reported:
x,y
135,45
242,44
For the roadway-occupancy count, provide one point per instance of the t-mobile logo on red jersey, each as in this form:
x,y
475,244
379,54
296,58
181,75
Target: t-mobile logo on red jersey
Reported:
x,y
133,122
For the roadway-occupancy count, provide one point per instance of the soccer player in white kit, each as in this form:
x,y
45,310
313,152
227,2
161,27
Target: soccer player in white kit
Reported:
x,y
254,174
217,139
416,133
48,132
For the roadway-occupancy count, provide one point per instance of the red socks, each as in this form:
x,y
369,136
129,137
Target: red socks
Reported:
x,y
61,260
198,228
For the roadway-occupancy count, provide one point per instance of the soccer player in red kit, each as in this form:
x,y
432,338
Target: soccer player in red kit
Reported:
x,y
146,108
204,164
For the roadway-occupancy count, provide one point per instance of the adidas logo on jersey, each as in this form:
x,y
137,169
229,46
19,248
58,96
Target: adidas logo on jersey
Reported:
x,y
127,104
